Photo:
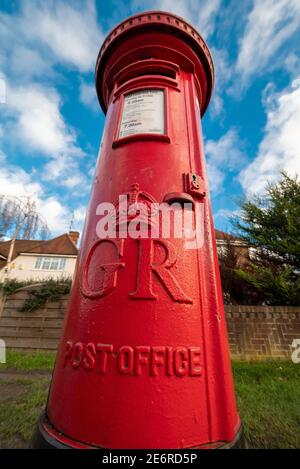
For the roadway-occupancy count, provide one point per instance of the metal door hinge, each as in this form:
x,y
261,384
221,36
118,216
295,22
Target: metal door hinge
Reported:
x,y
195,185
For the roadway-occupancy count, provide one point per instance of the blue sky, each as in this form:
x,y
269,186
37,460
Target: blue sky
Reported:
x,y
51,123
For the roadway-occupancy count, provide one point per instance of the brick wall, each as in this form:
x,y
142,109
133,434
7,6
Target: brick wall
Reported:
x,y
255,332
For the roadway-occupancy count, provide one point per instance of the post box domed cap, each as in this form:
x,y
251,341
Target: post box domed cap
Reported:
x,y
163,21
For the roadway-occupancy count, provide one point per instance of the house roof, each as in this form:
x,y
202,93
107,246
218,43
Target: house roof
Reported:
x,y
61,245
222,235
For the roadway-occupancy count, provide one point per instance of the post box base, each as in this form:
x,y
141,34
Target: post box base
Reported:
x,y
47,437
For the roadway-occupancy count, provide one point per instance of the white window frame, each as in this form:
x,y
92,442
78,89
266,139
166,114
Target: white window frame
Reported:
x,y
42,261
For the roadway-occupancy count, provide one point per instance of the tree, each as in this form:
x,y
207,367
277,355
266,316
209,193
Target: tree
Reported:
x,y
270,225
19,218
235,289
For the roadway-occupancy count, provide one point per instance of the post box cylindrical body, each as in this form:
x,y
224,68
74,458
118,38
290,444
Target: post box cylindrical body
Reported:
x,y
143,360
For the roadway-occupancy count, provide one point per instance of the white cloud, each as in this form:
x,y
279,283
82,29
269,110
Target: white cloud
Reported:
x,y
73,181
223,156
223,74
28,63
45,33
58,169
207,12
270,23
78,218
35,123
279,148
225,214
2,89
69,29
88,96
36,38
39,123
33,40
14,181
292,64
56,215
79,214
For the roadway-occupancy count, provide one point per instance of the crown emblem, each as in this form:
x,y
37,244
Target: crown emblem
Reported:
x,y
135,204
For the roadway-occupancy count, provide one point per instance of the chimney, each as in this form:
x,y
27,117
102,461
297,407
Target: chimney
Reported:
x,y
74,235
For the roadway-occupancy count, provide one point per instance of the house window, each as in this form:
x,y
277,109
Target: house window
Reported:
x,y
50,263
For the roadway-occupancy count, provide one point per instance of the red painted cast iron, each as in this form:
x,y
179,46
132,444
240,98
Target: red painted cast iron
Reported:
x,y
143,360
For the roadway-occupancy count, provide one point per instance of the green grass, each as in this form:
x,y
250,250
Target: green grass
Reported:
x,y
268,397
19,415
29,361
24,384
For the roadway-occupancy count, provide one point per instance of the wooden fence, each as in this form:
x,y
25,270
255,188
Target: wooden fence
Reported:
x,y
35,330
254,332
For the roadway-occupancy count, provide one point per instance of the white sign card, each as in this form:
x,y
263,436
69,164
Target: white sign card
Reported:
x,y
143,113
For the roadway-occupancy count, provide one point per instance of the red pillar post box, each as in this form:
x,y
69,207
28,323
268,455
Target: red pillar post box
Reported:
x,y
143,360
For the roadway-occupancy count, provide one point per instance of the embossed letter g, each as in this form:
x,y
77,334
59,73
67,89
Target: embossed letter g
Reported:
x,y
110,270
